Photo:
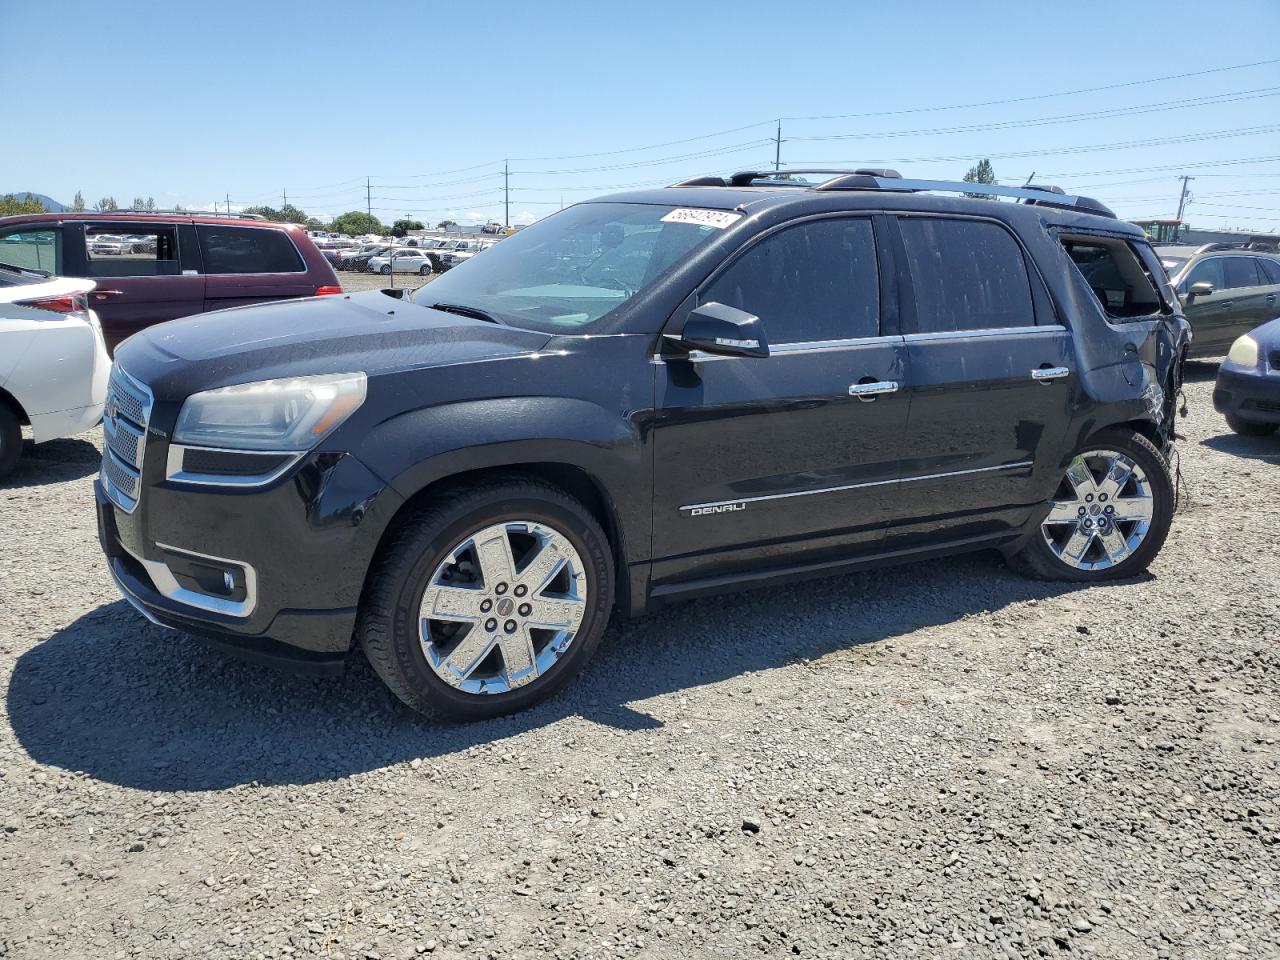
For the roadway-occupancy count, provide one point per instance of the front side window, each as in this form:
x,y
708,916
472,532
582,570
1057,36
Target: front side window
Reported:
x,y
967,275
247,250
812,281
1206,271
136,250
31,249
571,270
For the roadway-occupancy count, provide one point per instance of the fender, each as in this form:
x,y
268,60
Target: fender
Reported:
x,y
419,447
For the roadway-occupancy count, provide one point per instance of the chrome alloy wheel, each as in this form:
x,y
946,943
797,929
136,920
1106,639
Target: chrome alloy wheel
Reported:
x,y
1101,512
503,607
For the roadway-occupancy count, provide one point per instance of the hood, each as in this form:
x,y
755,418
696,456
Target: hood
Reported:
x,y
370,332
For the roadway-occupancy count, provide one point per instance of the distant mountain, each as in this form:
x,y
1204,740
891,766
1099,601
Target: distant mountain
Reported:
x,y
53,206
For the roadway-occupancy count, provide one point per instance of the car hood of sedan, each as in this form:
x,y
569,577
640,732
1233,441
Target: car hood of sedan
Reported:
x,y
370,332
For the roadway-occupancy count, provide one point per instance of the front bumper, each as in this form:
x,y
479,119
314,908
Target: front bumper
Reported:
x,y
298,550
1253,397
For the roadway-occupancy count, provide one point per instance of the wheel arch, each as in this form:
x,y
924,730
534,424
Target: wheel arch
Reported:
x,y
10,401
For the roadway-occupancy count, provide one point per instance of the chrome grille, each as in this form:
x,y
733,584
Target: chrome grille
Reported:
x,y
124,428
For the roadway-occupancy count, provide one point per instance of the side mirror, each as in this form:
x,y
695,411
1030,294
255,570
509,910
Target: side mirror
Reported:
x,y
1201,289
727,331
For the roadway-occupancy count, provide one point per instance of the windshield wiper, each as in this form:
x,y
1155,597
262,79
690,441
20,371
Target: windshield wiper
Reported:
x,y
475,313
29,271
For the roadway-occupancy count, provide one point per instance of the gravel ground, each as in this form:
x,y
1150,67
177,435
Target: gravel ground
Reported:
x,y
354,282
938,760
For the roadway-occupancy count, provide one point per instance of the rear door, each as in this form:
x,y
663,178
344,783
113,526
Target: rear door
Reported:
x,y
148,273
764,463
245,264
1249,288
991,384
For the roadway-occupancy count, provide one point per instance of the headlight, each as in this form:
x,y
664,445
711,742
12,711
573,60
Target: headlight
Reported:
x,y
1244,352
293,413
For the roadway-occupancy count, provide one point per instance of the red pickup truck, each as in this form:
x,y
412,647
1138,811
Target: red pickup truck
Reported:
x,y
154,266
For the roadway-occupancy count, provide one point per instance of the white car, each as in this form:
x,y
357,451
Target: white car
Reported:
x,y
406,260
53,360
108,244
464,250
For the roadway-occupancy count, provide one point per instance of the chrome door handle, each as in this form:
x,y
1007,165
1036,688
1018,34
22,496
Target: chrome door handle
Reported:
x,y
1045,374
869,391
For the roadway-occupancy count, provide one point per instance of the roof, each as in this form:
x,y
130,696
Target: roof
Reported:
x,y
183,217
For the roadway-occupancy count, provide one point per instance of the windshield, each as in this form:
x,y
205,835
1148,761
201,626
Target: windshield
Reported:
x,y
1172,264
569,271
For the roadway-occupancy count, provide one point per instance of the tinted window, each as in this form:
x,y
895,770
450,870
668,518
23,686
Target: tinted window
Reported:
x,y
143,251
1206,270
248,250
32,249
1270,270
813,281
967,275
1241,272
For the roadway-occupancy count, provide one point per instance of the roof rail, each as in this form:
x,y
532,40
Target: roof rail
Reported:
x,y
1045,196
184,213
1221,245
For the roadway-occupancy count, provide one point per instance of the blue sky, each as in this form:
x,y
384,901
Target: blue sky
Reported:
x,y
191,101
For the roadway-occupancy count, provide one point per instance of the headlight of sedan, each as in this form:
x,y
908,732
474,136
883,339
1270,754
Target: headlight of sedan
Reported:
x,y
293,413
1244,353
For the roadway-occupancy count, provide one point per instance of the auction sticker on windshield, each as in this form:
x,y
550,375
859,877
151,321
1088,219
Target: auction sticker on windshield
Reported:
x,y
702,218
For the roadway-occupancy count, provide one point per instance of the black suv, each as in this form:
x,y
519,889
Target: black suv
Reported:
x,y
726,383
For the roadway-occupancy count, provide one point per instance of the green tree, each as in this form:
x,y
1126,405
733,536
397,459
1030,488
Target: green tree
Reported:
x,y
11,205
286,214
105,204
445,224
78,203
402,227
981,172
355,222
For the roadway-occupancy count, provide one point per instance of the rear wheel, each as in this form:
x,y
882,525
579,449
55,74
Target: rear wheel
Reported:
x,y
10,440
385,270
1247,428
1110,513
489,600
424,270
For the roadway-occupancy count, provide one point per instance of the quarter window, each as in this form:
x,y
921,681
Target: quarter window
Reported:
x,y
1270,271
133,250
812,281
967,275
1116,275
248,250
32,250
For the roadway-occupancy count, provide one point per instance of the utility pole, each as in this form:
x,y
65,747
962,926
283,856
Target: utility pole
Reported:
x,y
284,198
506,194
777,148
1182,197
228,204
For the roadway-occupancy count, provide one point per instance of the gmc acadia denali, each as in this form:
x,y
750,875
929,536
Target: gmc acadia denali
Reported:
x,y
725,383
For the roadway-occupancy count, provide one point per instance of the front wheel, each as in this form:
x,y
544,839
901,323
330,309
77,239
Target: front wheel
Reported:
x,y
385,270
424,271
1247,428
1109,516
488,600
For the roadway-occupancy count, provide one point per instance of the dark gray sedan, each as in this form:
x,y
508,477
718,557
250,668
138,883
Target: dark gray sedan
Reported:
x,y
1248,388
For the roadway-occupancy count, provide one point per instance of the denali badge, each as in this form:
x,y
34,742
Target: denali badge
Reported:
x,y
717,508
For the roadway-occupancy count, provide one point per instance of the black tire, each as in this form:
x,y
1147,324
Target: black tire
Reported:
x,y
385,270
388,627
10,440
1037,560
1247,428
424,270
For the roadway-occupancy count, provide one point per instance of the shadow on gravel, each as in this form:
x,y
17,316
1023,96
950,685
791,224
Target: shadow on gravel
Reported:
x,y
1251,448
135,705
55,461
1200,371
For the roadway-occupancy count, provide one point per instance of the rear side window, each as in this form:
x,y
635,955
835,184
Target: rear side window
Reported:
x,y
1270,271
31,249
1242,272
133,250
812,281
247,250
967,275
1123,285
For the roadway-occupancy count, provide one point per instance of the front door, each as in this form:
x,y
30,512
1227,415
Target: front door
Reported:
x,y
147,273
992,380
764,463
